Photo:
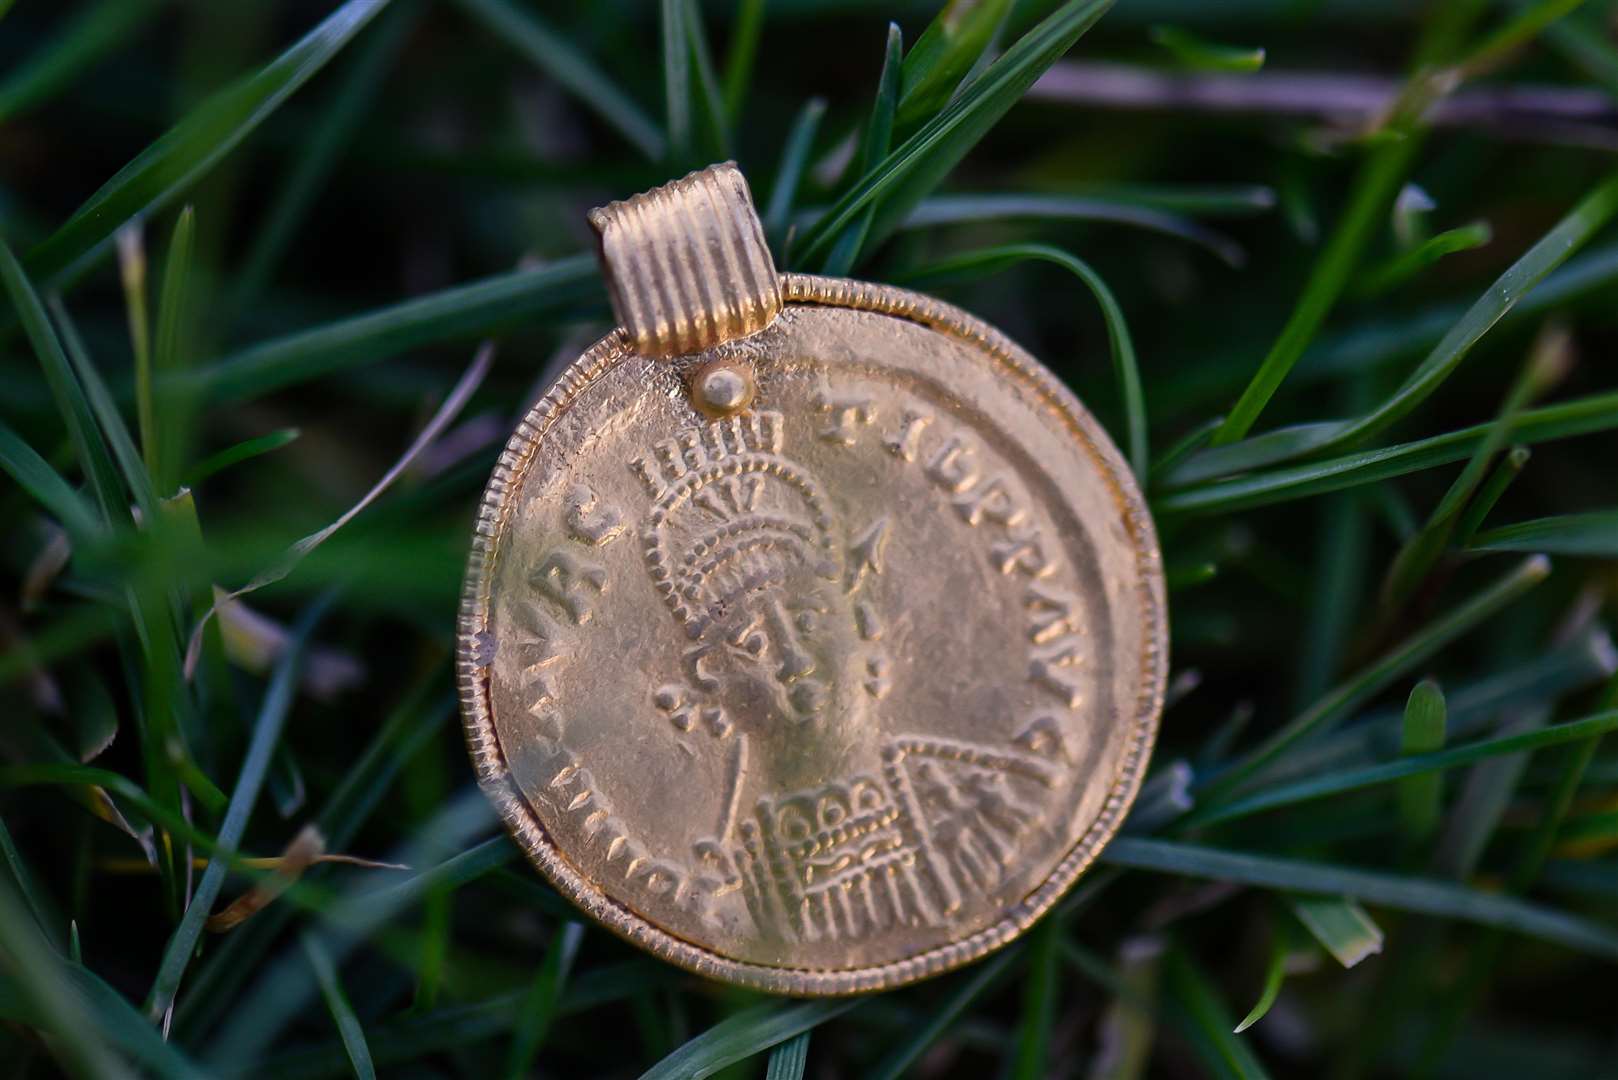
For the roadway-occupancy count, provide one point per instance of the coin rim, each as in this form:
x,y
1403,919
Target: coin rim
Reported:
x,y
472,671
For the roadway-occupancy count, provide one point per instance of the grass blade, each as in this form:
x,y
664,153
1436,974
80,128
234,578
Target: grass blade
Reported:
x,y
37,992
743,1035
539,1005
467,311
1341,926
1425,896
47,916
90,36
235,455
1566,237
1554,248
944,54
1125,369
1039,994
1413,650
560,59
744,37
1477,511
1275,971
272,716
1421,797
1377,280
975,209
171,353
1211,1031
1598,412
903,1057
65,389
107,417
338,122
677,82
1594,534
794,158
35,476
917,165
788,1059
1378,182
873,148
716,120
193,146
1198,54
1418,555
348,1025
132,275
1413,765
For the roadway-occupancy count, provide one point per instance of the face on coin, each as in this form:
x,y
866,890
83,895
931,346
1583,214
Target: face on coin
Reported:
x,y
835,693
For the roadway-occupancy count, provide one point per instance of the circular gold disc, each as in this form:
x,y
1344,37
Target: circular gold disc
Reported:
x,y
833,694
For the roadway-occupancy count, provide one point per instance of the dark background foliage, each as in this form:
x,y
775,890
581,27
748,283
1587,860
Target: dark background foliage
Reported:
x,y
296,275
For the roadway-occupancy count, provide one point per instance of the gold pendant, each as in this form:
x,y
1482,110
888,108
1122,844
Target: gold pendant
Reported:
x,y
814,635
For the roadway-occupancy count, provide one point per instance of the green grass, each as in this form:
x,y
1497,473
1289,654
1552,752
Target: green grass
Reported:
x,y
252,256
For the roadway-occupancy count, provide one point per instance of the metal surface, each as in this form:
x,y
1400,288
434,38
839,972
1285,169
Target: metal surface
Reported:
x,y
836,693
686,264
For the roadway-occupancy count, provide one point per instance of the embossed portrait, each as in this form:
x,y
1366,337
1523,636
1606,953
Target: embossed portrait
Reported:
x,y
853,830
744,548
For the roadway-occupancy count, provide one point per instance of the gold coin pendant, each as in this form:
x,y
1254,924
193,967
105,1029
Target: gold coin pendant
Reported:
x,y
814,634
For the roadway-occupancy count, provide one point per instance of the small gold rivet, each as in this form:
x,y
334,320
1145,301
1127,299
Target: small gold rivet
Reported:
x,y
724,390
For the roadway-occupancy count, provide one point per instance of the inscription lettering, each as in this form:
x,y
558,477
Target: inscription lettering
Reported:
x,y
1050,667
568,581
579,798
590,521
1043,738
997,500
905,442
954,467
1021,554
866,553
1050,613
848,412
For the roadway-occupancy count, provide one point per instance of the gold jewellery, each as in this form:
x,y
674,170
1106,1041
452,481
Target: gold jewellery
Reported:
x,y
813,636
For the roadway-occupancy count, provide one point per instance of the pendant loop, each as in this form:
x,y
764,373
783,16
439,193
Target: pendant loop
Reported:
x,y
687,264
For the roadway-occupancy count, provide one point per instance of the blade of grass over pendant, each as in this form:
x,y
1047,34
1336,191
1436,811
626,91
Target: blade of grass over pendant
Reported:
x,y
1125,368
